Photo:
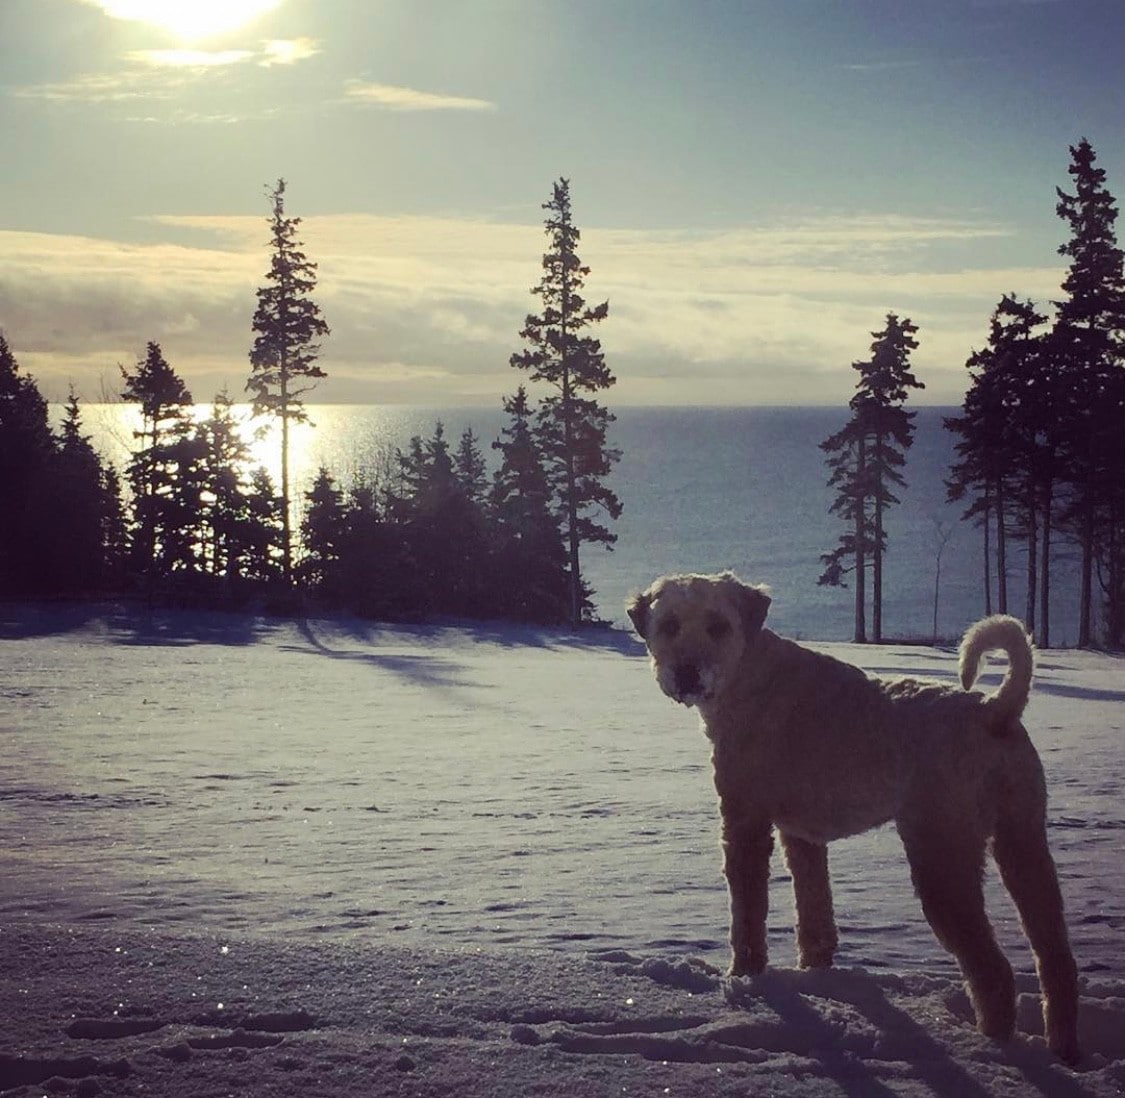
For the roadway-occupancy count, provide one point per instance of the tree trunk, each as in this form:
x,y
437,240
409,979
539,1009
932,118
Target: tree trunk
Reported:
x,y
1086,595
1032,566
571,511
1045,571
1085,605
860,552
987,556
568,446
937,590
286,533
877,567
1001,552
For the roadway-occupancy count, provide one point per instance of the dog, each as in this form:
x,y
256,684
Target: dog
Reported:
x,y
819,750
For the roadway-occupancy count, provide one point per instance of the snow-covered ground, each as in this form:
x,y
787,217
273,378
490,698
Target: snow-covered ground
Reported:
x,y
494,846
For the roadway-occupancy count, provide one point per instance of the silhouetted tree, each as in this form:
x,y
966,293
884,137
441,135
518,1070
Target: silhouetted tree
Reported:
x,y
323,533
164,473
1088,342
445,529
289,328
572,426
26,450
1006,467
229,515
868,456
84,513
532,582
470,469
261,533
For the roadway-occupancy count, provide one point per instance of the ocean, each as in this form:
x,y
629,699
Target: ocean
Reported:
x,y
706,489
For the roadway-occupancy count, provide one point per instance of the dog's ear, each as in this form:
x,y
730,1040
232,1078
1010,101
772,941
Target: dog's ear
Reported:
x,y
637,609
753,604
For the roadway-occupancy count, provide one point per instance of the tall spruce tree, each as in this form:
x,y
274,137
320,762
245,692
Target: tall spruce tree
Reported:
x,y
83,511
323,531
26,449
283,359
1088,341
531,565
164,471
1004,466
571,425
226,511
867,455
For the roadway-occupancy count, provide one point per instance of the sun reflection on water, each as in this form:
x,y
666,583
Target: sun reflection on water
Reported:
x,y
350,440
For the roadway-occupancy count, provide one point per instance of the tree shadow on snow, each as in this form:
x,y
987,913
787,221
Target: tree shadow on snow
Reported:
x,y
1085,693
450,632
23,621
152,626
131,623
424,669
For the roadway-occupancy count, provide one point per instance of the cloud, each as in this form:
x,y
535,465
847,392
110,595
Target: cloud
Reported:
x,y
195,59
881,66
392,97
167,73
105,87
771,312
287,51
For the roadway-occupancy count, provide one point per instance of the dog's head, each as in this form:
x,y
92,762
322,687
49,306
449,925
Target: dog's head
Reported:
x,y
696,629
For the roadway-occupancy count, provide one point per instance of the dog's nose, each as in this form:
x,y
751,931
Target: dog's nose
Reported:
x,y
687,679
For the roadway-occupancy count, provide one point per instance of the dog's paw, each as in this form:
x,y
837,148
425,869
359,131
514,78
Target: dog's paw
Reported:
x,y
746,966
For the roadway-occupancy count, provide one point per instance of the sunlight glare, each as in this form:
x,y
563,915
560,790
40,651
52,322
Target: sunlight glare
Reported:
x,y
190,20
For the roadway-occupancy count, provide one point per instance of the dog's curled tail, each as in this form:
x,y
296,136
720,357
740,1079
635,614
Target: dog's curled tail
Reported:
x,y
1007,634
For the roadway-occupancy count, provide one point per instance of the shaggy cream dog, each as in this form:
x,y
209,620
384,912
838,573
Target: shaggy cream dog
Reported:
x,y
819,749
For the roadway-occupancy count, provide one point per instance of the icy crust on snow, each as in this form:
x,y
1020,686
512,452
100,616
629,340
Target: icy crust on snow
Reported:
x,y
150,1012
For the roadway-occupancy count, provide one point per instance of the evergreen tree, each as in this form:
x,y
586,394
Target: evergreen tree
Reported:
x,y
82,511
288,328
377,576
225,497
572,426
445,532
470,469
26,449
530,564
869,452
261,534
1006,466
115,529
164,473
1088,341
323,533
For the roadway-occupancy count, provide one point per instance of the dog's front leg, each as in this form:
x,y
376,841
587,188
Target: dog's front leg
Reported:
x,y
747,845
812,894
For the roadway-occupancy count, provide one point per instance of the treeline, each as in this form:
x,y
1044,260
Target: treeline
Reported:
x,y
432,532
1041,437
191,521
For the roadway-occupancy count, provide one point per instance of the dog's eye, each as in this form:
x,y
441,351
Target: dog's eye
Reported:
x,y
669,627
718,628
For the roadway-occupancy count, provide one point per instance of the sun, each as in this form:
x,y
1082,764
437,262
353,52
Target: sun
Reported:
x,y
189,20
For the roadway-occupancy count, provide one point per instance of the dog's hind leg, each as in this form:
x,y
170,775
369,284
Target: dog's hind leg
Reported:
x,y
747,845
947,870
1028,872
812,895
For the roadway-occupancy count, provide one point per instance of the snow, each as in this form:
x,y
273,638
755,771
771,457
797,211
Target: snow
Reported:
x,y
331,857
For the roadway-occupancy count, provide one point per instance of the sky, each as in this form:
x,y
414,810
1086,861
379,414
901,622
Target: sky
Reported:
x,y
757,183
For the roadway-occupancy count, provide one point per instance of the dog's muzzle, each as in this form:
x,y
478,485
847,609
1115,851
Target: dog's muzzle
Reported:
x,y
686,683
